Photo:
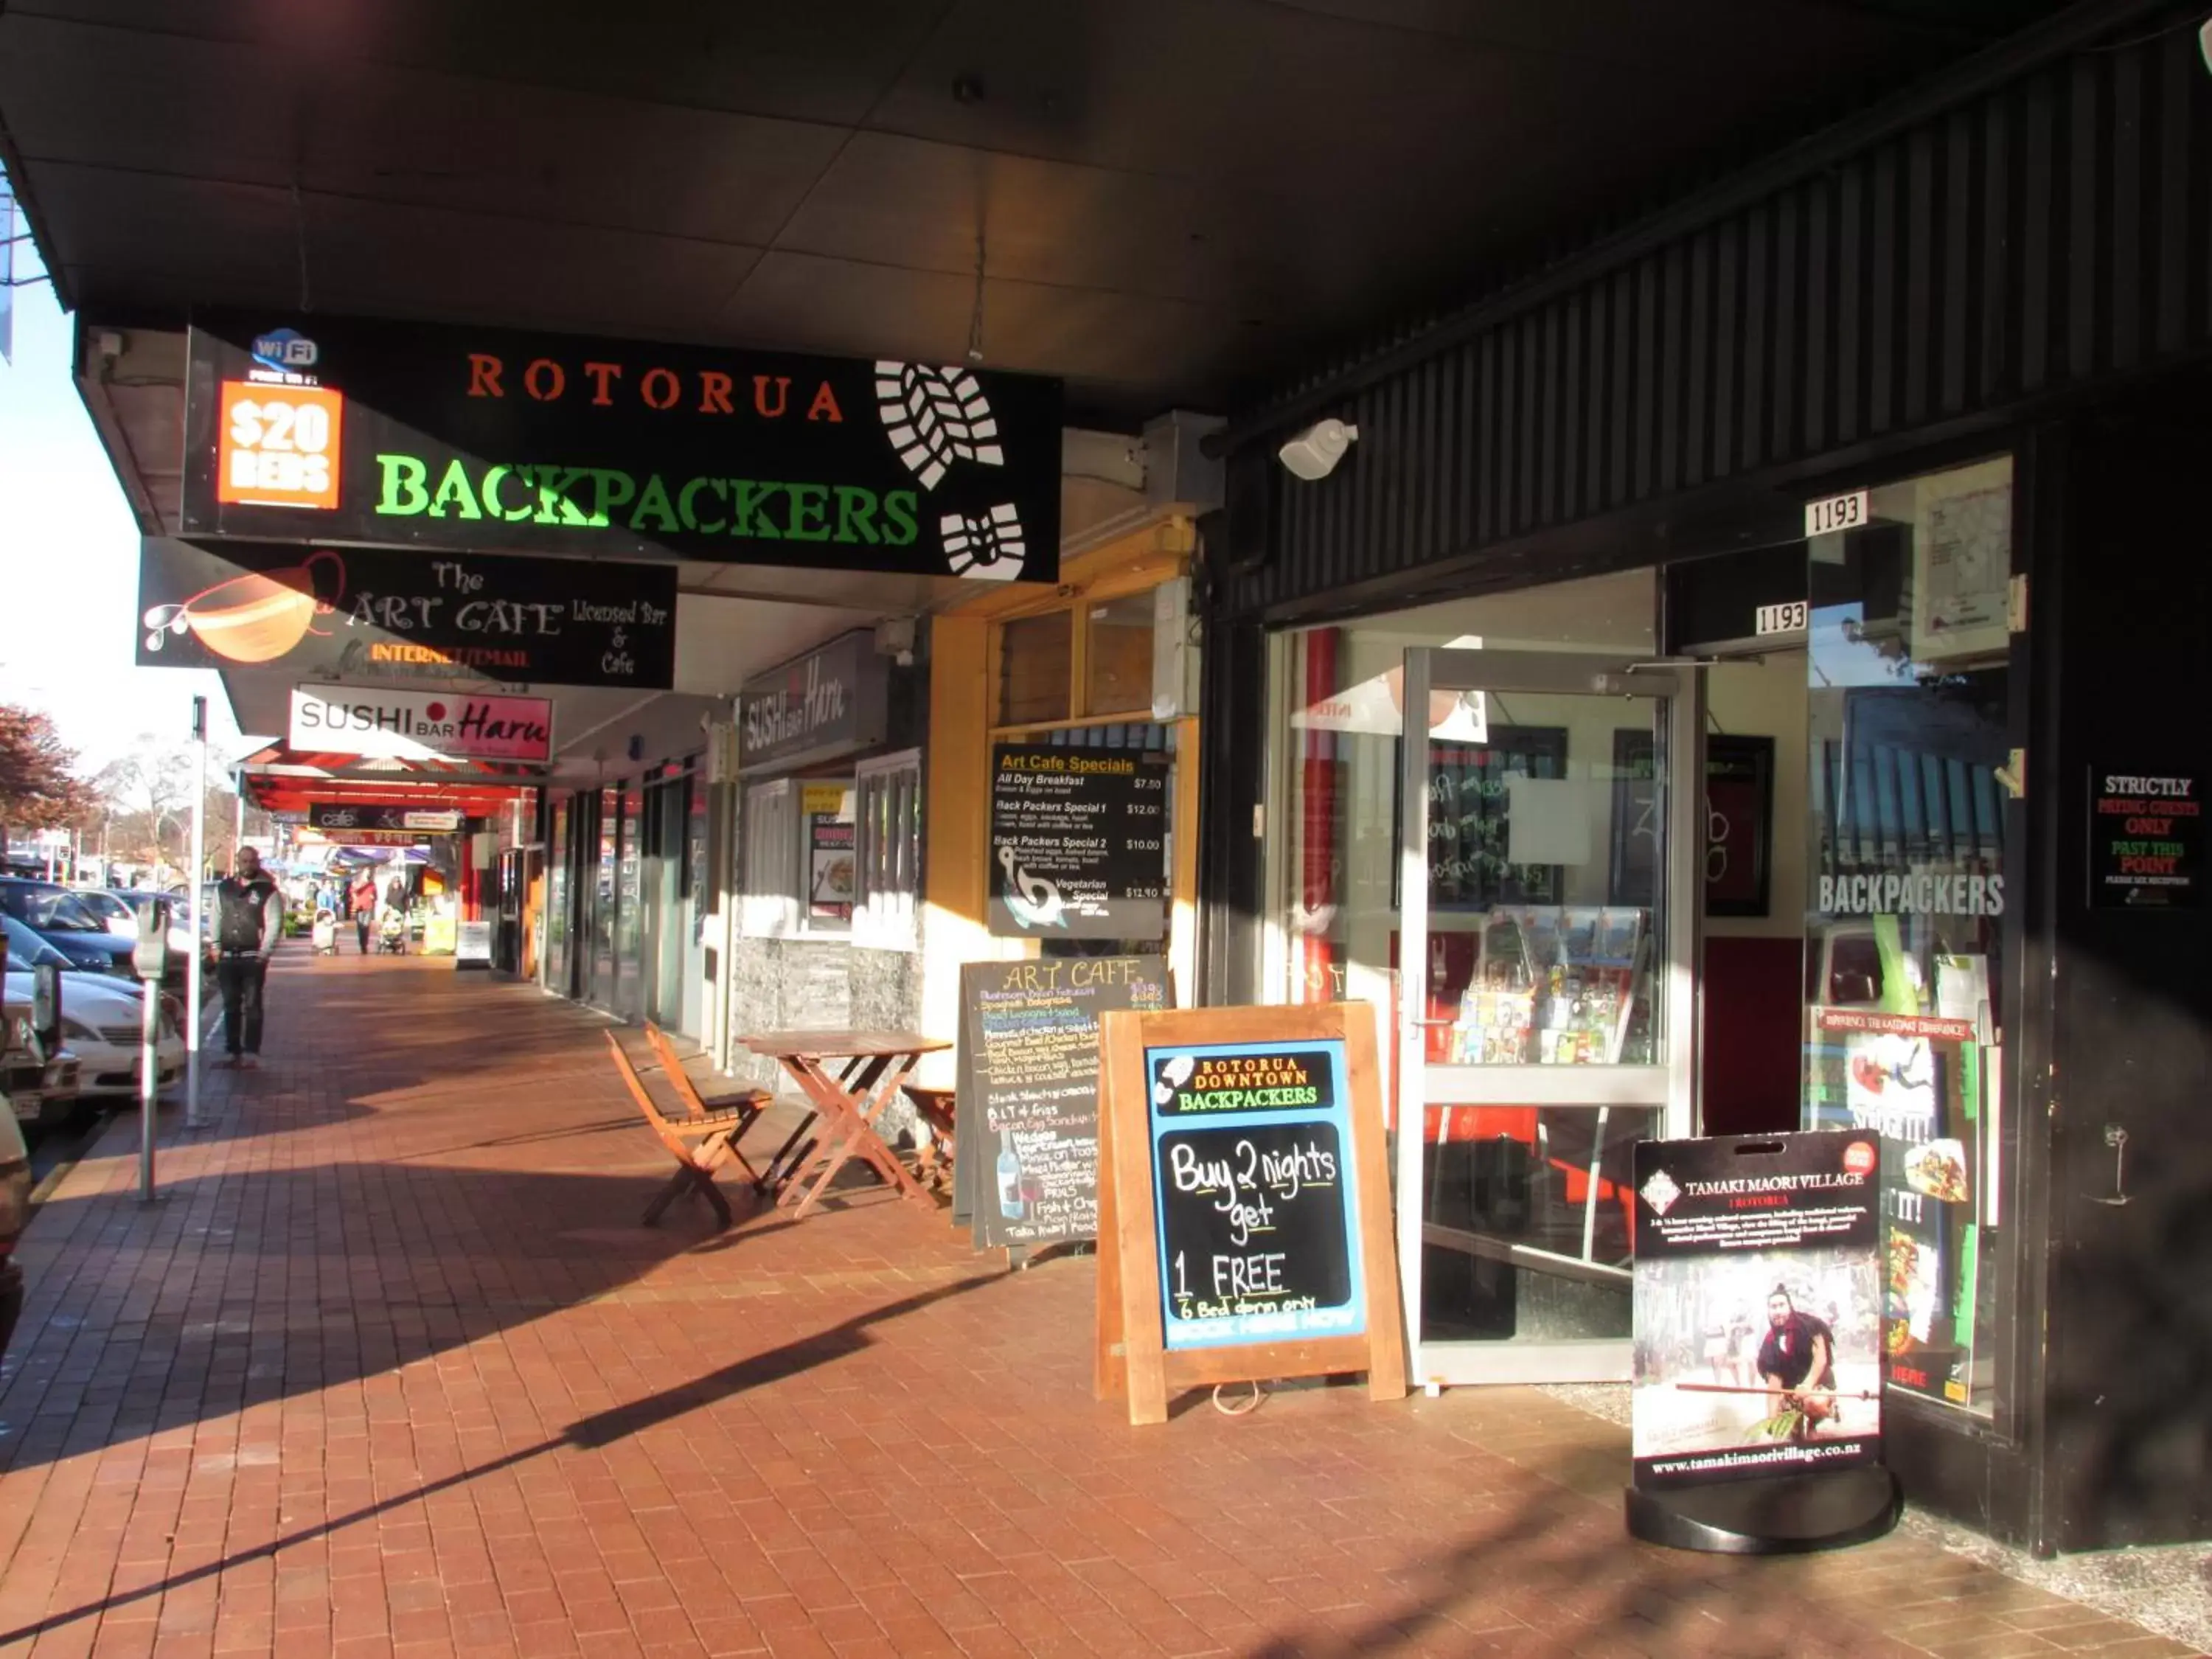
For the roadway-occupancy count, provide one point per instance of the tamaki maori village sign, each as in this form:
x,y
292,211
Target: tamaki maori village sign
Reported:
x,y
386,433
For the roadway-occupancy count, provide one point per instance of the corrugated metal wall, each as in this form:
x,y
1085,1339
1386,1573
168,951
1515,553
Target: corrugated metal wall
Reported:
x,y
2038,238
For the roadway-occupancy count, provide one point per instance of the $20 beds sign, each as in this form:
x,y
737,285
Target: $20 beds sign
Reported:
x,y
1244,1227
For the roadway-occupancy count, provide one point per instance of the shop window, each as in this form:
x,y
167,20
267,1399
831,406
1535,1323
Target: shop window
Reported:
x,y
767,904
1036,669
888,854
1118,655
1912,876
1333,820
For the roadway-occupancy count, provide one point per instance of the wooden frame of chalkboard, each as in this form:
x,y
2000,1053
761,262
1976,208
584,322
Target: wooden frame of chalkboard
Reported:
x,y
1292,1098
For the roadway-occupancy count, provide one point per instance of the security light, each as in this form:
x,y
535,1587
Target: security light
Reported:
x,y
1315,451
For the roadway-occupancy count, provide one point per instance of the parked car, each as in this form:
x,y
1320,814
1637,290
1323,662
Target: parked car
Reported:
x,y
100,1026
14,1211
109,909
40,1082
52,912
136,899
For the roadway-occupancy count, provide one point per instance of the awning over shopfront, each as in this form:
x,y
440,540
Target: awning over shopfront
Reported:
x,y
280,779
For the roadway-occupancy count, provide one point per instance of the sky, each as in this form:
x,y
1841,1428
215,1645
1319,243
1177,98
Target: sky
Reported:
x,y
69,562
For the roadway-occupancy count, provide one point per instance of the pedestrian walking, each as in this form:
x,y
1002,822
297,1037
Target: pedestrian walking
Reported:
x,y
249,921
363,895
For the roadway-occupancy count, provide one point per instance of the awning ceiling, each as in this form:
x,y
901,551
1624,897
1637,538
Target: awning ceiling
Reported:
x,y
280,779
1169,197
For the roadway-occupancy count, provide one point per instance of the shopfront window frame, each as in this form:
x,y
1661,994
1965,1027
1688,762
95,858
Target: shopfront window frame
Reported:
x,y
2007,1245
768,860
887,907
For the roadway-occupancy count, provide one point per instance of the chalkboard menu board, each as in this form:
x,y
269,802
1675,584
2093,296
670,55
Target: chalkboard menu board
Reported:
x,y
1078,843
2146,839
1244,1217
1027,1164
1255,1225
1470,818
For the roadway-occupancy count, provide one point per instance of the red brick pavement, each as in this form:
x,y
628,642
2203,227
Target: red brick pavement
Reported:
x,y
391,1369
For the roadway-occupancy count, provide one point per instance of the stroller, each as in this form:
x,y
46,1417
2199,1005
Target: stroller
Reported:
x,y
391,935
326,932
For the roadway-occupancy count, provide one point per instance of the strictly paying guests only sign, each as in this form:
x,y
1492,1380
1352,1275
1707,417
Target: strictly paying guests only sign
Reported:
x,y
386,433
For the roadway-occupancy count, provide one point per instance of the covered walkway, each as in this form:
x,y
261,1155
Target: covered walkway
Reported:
x,y
391,1369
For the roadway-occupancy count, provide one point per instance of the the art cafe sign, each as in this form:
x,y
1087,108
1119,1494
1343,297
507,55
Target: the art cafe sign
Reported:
x,y
833,702
349,430
395,614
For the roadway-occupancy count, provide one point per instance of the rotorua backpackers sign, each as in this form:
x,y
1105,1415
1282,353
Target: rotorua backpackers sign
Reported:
x,y
377,613
353,430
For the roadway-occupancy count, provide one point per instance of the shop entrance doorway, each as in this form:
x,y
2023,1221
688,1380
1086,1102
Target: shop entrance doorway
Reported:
x,y
1549,912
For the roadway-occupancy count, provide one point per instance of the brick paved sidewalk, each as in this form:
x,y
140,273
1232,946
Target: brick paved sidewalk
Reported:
x,y
392,1370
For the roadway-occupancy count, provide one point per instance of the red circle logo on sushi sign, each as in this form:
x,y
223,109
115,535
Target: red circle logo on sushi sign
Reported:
x,y
436,711
1858,1159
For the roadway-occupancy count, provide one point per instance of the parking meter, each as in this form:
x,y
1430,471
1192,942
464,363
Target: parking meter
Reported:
x,y
149,956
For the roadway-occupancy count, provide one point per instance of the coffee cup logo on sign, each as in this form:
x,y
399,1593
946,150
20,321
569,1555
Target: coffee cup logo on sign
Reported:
x,y
256,617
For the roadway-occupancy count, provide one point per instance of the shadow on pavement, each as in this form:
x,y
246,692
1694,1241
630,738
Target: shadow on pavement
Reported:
x,y
600,1430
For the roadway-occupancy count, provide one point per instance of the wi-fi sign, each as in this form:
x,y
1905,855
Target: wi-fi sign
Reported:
x,y
286,348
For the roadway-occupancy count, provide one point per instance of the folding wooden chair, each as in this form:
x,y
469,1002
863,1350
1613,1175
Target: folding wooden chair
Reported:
x,y
695,1171
749,1102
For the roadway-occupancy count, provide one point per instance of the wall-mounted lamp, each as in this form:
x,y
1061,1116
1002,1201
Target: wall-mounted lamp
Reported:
x,y
1315,451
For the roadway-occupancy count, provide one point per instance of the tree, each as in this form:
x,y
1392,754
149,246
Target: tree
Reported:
x,y
39,786
146,799
145,807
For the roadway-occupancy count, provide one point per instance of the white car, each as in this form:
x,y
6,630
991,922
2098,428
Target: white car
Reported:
x,y
100,1027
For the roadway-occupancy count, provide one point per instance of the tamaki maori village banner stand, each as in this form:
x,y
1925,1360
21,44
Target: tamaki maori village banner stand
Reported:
x,y
1758,1301
1244,1204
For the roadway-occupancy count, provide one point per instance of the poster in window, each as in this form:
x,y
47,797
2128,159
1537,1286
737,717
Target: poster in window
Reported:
x,y
1472,790
826,809
1738,823
1962,565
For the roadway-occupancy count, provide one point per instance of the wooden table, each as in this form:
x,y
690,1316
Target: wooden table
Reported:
x,y
875,1065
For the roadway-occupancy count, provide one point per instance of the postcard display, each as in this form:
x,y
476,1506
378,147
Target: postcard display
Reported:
x,y
1555,986
1759,1304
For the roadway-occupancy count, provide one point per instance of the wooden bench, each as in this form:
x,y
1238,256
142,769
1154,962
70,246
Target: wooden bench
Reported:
x,y
748,1103
716,1133
935,1108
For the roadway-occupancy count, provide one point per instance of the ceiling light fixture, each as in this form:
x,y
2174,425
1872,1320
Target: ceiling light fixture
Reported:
x,y
1315,451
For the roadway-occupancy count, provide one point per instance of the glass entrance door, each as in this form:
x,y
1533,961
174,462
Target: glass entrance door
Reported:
x,y
1547,1013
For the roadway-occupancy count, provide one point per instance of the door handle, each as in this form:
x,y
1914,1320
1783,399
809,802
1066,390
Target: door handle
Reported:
x,y
2116,1139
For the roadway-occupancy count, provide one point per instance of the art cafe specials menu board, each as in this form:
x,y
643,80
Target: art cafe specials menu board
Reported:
x,y
1244,1229
1078,843
1026,1170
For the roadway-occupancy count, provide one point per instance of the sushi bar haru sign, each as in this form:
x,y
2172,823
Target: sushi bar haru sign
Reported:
x,y
833,702
400,434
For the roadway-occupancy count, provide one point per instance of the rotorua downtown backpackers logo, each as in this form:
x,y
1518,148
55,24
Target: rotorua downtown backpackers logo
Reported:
x,y
937,418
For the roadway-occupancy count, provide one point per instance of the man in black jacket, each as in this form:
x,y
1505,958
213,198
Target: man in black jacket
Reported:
x,y
249,919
